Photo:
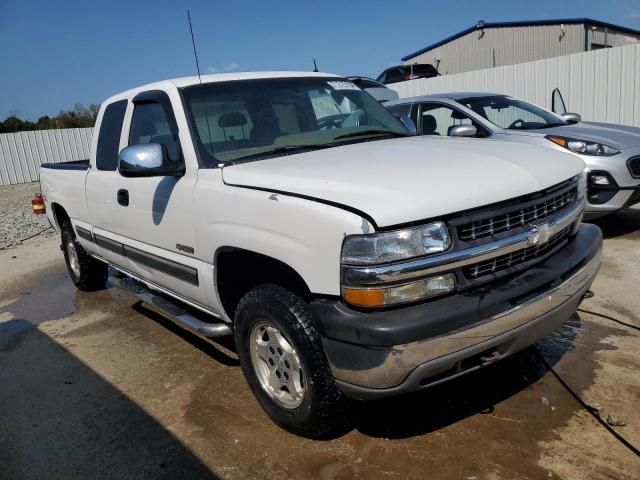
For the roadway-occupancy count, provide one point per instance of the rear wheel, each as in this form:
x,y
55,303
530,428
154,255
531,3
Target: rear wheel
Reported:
x,y
87,273
282,357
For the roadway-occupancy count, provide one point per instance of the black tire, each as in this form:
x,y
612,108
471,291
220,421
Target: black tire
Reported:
x,y
324,407
91,274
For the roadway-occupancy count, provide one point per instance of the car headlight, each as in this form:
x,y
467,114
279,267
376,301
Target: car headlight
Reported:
x,y
583,147
384,247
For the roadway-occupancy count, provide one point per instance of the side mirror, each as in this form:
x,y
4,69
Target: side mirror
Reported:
x,y
463,131
571,117
408,124
147,160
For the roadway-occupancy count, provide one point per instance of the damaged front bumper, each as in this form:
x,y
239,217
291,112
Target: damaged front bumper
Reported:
x,y
390,352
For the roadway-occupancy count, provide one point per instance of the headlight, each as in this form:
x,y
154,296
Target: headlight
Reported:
x,y
397,245
583,147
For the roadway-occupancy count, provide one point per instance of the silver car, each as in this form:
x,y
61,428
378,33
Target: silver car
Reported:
x,y
374,88
611,152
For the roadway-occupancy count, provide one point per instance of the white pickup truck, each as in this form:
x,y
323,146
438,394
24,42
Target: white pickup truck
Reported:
x,y
347,258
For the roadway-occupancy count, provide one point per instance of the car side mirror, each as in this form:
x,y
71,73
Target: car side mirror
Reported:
x,y
571,117
463,131
408,124
148,160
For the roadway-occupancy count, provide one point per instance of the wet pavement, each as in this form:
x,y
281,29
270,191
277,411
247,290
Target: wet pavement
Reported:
x,y
94,385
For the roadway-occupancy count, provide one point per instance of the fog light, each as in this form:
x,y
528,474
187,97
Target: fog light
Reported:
x,y
596,179
397,294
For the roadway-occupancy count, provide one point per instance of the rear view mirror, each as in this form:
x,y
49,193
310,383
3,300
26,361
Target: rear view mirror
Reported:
x,y
147,160
463,131
571,117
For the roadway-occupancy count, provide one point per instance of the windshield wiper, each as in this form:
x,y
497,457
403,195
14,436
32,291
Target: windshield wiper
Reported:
x,y
364,133
538,126
282,149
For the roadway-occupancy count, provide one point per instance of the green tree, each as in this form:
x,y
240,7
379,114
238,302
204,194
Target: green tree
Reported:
x,y
79,117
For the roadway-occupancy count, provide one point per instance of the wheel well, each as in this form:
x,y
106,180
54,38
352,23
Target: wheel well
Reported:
x,y
60,214
238,271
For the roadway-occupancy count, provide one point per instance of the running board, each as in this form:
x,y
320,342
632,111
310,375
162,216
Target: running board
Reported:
x,y
174,312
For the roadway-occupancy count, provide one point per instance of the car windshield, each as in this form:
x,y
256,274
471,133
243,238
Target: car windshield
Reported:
x,y
253,119
509,113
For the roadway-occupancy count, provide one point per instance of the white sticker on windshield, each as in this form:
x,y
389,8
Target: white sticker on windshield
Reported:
x,y
342,85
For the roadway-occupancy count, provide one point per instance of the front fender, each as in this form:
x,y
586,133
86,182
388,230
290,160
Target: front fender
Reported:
x,y
304,234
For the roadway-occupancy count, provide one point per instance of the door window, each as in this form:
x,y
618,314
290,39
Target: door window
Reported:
x,y
150,124
393,76
399,111
438,119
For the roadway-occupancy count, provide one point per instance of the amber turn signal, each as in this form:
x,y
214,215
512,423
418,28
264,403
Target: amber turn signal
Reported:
x,y
558,141
397,294
363,297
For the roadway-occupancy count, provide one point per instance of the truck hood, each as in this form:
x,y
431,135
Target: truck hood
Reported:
x,y
404,180
616,136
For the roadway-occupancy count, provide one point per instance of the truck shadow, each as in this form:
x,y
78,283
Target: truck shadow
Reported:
x,y
61,420
222,350
625,224
478,392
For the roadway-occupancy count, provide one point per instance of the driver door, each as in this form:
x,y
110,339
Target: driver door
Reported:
x,y
152,217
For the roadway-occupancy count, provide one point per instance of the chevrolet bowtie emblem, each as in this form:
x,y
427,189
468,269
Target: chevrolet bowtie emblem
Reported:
x,y
539,234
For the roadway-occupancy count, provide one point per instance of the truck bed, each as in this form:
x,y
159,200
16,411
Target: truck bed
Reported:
x,y
64,184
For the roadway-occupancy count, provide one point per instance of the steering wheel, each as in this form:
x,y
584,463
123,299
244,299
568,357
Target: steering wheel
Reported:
x,y
333,121
517,122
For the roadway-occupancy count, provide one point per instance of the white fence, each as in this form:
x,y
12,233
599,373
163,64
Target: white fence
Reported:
x,y
601,85
22,153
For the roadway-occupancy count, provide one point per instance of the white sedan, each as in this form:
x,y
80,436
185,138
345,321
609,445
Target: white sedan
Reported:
x,y
611,152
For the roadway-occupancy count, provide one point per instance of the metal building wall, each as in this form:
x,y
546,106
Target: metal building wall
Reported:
x,y
500,46
601,85
608,37
22,153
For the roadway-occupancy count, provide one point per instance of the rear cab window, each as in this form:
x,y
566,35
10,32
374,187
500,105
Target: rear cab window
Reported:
x,y
108,146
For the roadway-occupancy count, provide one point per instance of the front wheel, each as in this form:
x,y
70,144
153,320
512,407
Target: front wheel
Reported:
x,y
87,273
282,357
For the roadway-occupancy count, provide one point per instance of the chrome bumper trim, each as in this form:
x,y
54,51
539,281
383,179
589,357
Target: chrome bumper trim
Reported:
x,y
403,359
425,266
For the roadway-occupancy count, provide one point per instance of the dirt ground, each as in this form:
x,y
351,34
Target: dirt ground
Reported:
x,y
96,386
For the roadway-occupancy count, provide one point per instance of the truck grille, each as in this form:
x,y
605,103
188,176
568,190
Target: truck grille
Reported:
x,y
517,217
634,167
512,259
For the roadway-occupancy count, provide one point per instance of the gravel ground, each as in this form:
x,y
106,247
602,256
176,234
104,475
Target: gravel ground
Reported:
x,y
17,222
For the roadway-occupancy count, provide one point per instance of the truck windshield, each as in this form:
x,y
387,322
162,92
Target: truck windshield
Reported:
x,y
509,113
254,119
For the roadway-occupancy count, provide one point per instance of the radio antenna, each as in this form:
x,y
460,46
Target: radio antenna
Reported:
x,y
193,42
195,54
315,67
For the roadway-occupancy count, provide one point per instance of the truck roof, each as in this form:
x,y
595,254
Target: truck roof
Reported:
x,y
182,82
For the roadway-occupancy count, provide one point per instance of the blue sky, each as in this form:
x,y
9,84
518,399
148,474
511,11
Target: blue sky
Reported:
x,y
54,54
